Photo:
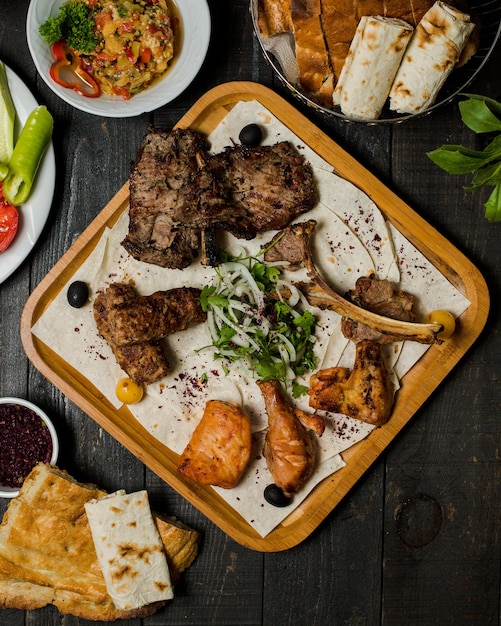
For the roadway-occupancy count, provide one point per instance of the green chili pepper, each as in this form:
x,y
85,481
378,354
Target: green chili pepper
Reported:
x,y
27,155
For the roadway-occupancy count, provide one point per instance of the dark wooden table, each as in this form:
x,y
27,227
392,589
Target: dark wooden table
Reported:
x,y
417,540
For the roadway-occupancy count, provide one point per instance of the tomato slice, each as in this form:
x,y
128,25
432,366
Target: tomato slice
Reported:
x,y
9,219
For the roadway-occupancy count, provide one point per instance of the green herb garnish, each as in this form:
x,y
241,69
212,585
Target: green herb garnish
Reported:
x,y
482,115
251,324
74,24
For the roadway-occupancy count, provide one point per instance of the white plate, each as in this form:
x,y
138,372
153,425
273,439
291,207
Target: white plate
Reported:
x,y
196,25
34,213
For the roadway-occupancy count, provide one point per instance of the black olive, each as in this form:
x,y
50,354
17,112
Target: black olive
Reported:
x,y
78,294
251,135
275,496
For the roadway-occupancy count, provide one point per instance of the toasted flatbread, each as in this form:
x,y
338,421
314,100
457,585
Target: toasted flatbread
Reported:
x,y
47,553
340,19
433,52
274,17
314,65
370,67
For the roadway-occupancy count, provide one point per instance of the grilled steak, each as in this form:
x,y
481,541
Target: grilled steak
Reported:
x,y
165,164
269,185
177,190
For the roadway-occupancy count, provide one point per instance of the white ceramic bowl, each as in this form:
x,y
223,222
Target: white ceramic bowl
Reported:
x,y
196,25
11,492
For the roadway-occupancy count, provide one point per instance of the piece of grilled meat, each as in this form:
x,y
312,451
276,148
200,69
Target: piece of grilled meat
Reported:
x,y
153,317
379,296
364,393
219,449
144,362
178,190
268,185
165,164
133,326
289,446
293,244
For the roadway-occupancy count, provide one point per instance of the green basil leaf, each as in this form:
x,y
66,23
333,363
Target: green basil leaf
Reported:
x,y
494,148
489,175
478,116
454,161
493,205
493,105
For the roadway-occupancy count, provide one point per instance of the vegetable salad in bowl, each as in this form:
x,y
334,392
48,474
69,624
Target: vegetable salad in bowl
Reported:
x,y
117,47
118,58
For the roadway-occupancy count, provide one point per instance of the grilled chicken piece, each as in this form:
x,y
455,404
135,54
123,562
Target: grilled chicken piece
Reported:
x,y
364,393
153,317
220,446
144,362
293,244
289,447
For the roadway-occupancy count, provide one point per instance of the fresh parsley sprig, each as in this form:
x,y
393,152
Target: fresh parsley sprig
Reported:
x,y
481,115
75,24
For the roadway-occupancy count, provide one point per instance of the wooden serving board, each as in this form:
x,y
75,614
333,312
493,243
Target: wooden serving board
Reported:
x,y
416,387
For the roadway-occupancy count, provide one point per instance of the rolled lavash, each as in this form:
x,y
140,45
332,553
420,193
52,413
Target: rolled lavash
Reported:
x,y
370,67
430,57
129,550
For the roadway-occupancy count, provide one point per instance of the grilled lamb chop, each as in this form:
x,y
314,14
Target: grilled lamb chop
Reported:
x,y
379,296
364,393
177,191
165,163
268,185
293,245
144,362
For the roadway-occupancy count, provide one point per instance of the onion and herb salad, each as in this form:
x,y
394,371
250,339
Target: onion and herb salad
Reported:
x,y
252,323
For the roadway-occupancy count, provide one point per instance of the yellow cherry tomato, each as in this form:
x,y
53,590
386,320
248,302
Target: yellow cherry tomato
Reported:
x,y
446,319
128,391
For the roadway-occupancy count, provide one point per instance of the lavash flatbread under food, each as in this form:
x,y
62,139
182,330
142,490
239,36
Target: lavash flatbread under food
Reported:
x,y
432,53
47,554
370,67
